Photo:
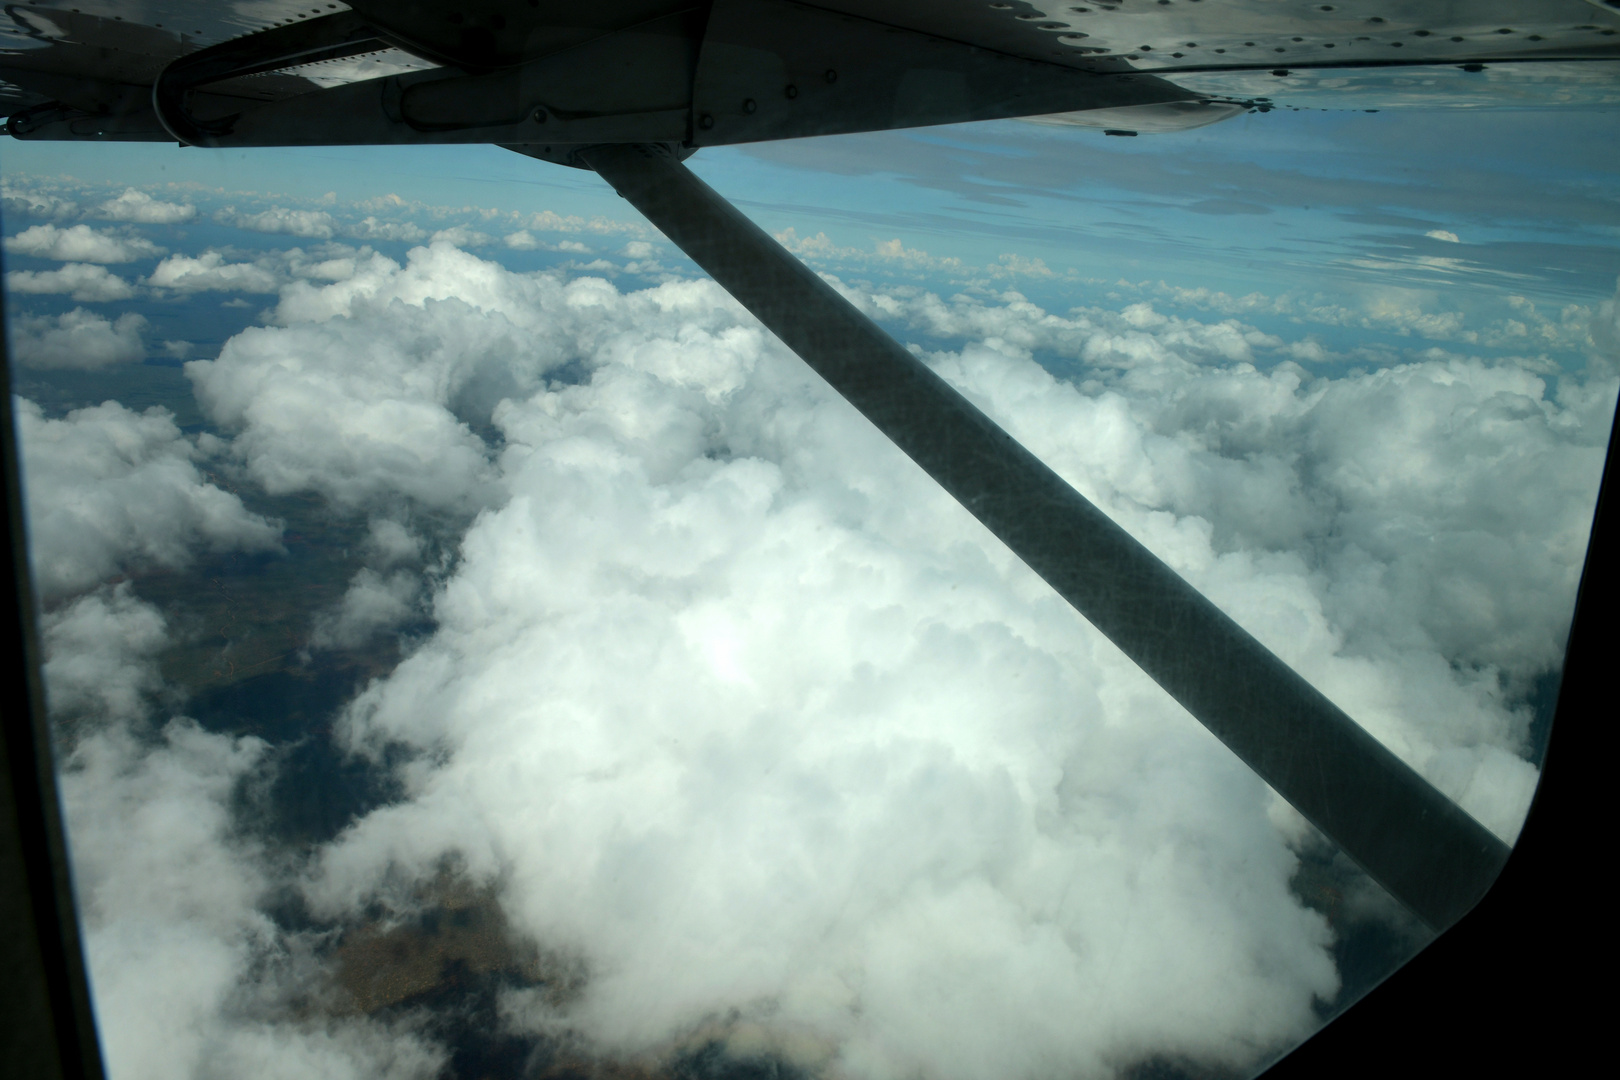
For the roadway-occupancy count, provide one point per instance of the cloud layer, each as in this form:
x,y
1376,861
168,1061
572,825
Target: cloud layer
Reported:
x,y
727,704
191,977
110,489
740,711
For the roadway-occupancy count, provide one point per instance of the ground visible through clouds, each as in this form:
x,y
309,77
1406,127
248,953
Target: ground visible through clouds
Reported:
x,y
476,648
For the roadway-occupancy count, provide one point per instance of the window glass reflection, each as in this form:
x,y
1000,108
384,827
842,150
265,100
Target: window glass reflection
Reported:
x,y
475,646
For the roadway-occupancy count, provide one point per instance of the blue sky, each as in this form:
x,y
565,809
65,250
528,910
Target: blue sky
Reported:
x,y
1407,214
1254,201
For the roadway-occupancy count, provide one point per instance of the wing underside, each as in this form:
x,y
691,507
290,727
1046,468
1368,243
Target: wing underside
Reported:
x,y
705,72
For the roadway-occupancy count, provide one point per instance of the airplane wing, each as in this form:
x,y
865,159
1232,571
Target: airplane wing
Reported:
x,y
714,72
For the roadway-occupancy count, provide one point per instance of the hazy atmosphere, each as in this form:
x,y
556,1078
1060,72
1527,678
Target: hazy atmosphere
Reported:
x,y
477,647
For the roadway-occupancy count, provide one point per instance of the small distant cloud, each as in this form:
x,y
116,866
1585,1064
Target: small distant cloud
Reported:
x,y
1309,350
551,221
461,237
888,253
82,281
1222,207
819,245
1443,234
1015,265
312,224
391,543
1605,331
80,243
524,240
372,228
389,201
140,208
27,202
372,605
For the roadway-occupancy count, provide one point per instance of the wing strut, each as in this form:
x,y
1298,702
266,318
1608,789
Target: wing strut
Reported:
x,y
1418,844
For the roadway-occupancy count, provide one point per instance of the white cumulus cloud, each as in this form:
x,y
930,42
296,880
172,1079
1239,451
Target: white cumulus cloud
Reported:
x,y
80,243
461,237
84,282
98,656
137,206
210,272
1605,333
373,228
77,339
190,976
34,201
524,240
732,704
372,605
390,543
392,408
109,489
870,753
314,224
